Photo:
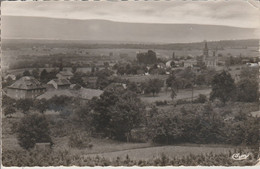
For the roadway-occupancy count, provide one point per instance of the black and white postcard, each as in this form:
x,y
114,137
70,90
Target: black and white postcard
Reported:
x,y
130,83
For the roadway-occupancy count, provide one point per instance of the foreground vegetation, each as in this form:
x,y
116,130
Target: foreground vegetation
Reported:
x,y
120,115
32,158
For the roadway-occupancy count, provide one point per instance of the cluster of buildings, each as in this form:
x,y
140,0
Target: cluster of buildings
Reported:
x,y
30,87
205,59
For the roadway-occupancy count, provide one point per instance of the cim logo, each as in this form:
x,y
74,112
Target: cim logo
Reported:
x,y
238,156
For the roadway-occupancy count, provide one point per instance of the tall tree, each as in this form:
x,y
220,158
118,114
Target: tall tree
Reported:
x,y
247,90
173,93
26,73
223,87
116,113
153,86
33,128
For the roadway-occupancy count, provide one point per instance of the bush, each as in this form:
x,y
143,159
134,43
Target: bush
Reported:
x,y
32,129
8,111
182,101
161,103
139,135
79,140
201,99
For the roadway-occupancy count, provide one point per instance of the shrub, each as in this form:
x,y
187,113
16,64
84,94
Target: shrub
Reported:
x,y
182,101
79,140
8,111
32,129
139,135
201,99
161,103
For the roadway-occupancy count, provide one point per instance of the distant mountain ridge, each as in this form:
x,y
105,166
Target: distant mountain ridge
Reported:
x,y
19,27
10,43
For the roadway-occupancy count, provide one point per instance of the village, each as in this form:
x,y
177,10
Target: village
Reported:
x,y
29,82
91,112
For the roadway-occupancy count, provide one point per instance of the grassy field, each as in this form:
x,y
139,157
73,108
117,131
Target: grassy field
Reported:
x,y
182,94
170,151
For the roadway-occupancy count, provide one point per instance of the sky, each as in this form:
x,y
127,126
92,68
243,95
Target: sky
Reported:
x,y
238,13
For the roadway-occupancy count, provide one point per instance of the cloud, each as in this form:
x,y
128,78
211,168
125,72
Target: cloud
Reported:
x,y
231,13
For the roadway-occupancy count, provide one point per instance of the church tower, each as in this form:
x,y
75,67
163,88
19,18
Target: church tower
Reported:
x,y
206,50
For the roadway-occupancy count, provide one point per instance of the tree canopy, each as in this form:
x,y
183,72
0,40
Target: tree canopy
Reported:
x,y
223,87
32,129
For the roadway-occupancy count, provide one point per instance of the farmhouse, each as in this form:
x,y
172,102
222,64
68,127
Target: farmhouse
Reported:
x,y
25,87
59,84
65,74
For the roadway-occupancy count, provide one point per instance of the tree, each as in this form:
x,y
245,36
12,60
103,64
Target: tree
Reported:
x,y
24,104
26,73
153,86
47,76
33,128
247,90
147,58
126,115
172,81
40,105
164,128
8,111
173,93
116,113
43,75
248,72
132,86
77,79
223,87
74,69
36,73
8,101
7,82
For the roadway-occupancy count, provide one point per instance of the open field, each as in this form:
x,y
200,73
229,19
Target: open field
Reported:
x,y
182,94
170,151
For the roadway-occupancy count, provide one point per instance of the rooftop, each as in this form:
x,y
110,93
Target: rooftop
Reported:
x,y
60,81
66,73
27,83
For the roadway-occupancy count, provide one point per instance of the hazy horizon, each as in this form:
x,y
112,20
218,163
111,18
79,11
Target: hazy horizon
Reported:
x,y
105,30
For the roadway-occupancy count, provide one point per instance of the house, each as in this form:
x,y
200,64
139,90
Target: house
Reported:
x,y
59,84
169,64
252,65
64,74
25,87
161,65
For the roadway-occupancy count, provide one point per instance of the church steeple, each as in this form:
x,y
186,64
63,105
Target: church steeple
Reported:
x,y
206,50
